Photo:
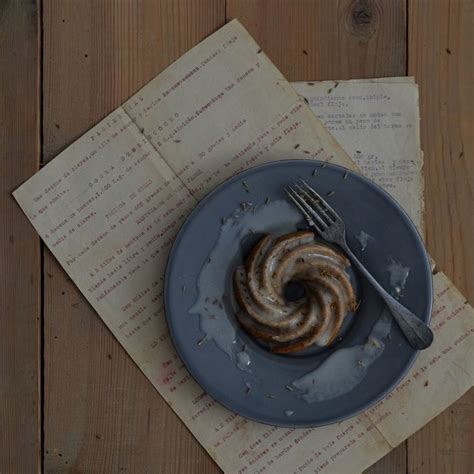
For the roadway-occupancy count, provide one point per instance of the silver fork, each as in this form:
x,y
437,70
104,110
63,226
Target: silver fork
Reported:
x,y
320,215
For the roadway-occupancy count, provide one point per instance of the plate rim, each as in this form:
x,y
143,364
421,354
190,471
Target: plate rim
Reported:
x,y
208,387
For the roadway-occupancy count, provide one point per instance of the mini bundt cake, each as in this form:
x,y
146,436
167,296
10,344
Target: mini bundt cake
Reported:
x,y
291,326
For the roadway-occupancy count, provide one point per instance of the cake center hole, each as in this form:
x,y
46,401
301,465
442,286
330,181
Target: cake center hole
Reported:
x,y
294,291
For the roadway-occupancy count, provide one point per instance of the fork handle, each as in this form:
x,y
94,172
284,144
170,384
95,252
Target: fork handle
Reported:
x,y
418,333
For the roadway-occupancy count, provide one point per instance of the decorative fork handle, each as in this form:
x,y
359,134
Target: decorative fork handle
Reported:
x,y
418,333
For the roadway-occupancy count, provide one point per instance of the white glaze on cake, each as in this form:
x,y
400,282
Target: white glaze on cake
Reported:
x,y
259,288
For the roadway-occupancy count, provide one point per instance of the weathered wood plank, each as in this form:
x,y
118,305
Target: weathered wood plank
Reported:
x,y
445,445
20,256
394,462
328,39
440,57
101,413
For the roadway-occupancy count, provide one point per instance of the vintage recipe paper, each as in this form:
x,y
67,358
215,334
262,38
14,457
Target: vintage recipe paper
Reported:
x,y
377,124
109,206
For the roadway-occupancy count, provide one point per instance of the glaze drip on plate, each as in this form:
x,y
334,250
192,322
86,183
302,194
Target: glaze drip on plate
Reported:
x,y
363,239
345,368
398,277
215,304
292,326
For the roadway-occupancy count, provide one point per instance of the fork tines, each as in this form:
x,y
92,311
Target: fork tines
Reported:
x,y
316,210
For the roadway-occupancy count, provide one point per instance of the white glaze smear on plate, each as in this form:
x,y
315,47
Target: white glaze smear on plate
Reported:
x,y
363,239
243,361
345,368
215,296
398,277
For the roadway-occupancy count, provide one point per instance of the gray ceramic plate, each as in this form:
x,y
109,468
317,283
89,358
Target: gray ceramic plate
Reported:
x,y
364,207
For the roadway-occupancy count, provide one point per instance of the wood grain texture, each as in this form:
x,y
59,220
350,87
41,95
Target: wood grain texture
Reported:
x,y
328,39
445,446
20,257
395,462
440,57
101,413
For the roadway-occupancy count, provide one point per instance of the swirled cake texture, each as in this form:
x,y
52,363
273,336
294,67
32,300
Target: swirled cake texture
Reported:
x,y
291,326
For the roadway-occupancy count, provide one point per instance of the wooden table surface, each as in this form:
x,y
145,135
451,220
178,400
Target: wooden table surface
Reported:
x,y
70,397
